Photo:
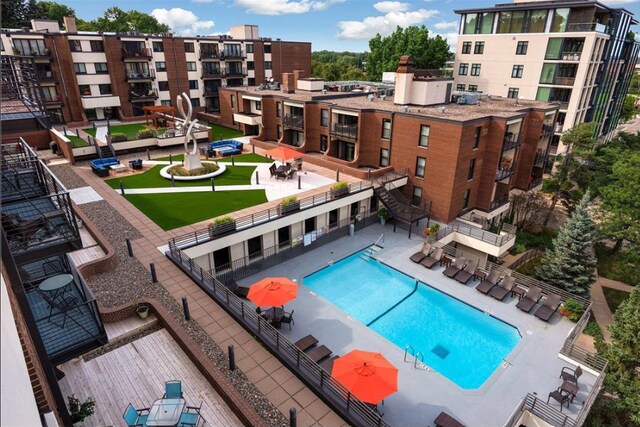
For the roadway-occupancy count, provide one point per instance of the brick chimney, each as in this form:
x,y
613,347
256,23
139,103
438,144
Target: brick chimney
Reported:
x,y
289,82
70,24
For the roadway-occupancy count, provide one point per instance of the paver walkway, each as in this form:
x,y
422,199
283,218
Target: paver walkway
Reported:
x,y
600,308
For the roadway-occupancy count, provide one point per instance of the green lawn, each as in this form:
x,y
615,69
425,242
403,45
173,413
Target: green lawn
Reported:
x,y
248,158
234,175
614,297
621,266
77,142
171,211
131,130
221,132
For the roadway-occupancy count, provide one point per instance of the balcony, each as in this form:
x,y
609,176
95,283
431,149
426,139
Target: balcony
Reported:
x,y
209,55
142,54
215,73
540,158
345,131
565,81
505,172
232,55
534,183
149,95
248,118
510,142
548,129
52,100
46,77
147,75
587,27
293,121
570,56
211,91
235,72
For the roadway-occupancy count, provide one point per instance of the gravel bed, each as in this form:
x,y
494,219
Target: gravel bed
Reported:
x,y
119,342
67,175
130,281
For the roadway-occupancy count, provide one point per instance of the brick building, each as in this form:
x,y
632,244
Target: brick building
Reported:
x,y
92,76
460,157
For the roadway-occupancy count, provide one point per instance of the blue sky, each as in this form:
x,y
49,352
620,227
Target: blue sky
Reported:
x,y
327,24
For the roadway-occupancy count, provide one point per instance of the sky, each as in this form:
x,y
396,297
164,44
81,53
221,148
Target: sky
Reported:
x,y
341,25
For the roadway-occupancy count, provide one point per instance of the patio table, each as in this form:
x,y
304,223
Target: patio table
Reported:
x,y
570,387
165,412
56,284
274,314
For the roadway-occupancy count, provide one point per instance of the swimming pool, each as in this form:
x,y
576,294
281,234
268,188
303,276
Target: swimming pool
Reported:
x,y
459,341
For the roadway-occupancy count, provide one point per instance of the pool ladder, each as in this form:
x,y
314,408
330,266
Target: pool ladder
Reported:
x,y
408,350
369,253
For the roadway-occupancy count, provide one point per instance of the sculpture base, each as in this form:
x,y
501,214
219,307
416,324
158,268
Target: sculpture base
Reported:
x,y
192,162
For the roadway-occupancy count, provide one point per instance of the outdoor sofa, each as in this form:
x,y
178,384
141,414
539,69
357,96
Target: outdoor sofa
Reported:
x,y
225,147
101,166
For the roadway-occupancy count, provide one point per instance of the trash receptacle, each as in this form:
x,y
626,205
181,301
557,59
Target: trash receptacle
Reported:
x,y
54,147
352,229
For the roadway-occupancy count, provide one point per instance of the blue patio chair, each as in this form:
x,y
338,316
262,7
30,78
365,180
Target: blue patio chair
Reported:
x,y
173,390
190,417
135,417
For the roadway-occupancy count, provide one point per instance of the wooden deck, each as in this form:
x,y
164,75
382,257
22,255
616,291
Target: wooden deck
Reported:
x,y
89,252
127,327
136,373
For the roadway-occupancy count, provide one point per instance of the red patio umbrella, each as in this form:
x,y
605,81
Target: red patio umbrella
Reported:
x,y
272,292
368,375
283,153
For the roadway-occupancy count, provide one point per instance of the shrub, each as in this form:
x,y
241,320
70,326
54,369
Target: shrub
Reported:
x,y
593,329
572,309
383,213
118,137
179,170
339,185
80,410
145,133
520,247
222,220
289,201
542,240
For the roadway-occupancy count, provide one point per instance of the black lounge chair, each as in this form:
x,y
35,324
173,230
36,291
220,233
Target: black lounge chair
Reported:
x,y
530,299
548,307
489,282
432,259
568,374
318,353
456,267
468,272
503,288
306,343
241,291
446,420
327,365
424,252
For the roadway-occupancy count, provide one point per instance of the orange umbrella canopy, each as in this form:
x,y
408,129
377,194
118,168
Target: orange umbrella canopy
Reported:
x,y
368,375
272,291
282,153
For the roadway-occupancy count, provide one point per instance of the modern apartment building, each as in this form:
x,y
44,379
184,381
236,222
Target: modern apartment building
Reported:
x,y
92,76
579,54
458,157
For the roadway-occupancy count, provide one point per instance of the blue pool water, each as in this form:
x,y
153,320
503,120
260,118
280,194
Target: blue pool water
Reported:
x,y
457,340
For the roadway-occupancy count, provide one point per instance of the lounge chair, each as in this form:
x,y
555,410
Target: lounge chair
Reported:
x,y
424,252
489,282
173,389
306,343
530,299
456,267
241,291
318,353
135,417
503,288
432,259
446,420
468,272
548,307
568,374
327,365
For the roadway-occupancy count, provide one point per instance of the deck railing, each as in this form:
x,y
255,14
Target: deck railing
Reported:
x,y
476,233
342,130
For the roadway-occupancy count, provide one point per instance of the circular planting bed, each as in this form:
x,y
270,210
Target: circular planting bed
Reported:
x,y
211,169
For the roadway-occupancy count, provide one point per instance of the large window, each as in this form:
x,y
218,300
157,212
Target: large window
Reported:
x,y
97,46
85,90
478,48
267,65
193,84
466,47
522,21
478,23
560,19
473,88
267,48
105,89
188,47
384,157
421,165
516,72
475,69
386,128
522,47
548,72
460,86
424,136
248,48
29,46
324,118
80,68
163,85
75,46
158,47
476,137
554,47
462,70
258,105
251,66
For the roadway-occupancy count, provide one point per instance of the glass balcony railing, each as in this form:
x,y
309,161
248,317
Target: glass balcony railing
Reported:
x,y
345,131
586,27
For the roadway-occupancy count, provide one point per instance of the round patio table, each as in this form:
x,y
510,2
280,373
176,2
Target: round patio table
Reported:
x,y
55,283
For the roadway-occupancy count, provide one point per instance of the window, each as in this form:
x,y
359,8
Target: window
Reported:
x,y
258,105
248,48
251,65
460,86
475,69
386,128
166,102
472,167
476,137
384,157
421,164
158,47
516,73
478,23
560,18
105,89
195,102
522,47
473,88
417,196
267,48
466,47
522,21
188,47
80,68
30,47
279,131
163,85
75,46
478,49
465,201
267,65
424,136
324,143
193,84
278,109
251,81
161,66
97,46
324,118
233,101
101,67
513,93
85,90
463,69
191,66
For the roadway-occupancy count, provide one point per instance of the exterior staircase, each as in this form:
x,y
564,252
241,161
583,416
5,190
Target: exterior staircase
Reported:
x,y
400,208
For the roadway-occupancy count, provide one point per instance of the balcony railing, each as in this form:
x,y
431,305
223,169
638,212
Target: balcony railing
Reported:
x,y
345,131
140,76
144,96
215,73
570,56
46,77
548,130
209,54
235,71
475,232
587,26
510,142
505,172
144,53
540,158
565,81
52,99
293,121
535,183
211,91
232,55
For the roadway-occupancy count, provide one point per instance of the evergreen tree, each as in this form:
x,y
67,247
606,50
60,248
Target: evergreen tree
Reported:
x,y
571,264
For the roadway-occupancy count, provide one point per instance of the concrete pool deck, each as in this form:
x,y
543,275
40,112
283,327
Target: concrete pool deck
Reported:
x,y
532,367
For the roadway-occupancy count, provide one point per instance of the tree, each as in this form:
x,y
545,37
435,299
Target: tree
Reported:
x,y
628,108
619,405
54,11
634,86
12,13
117,20
528,209
572,262
385,52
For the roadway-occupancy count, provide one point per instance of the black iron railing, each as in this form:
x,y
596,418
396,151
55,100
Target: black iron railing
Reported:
x,y
140,75
293,121
212,73
345,131
505,172
510,142
141,53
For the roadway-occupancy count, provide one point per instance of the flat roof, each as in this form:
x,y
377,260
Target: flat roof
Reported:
x,y
550,4
15,109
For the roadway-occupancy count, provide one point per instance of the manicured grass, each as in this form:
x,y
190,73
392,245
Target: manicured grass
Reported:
x,y
614,297
90,131
77,142
621,266
131,130
174,157
171,211
248,158
234,175
221,132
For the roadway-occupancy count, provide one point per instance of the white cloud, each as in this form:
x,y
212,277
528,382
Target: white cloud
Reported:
x,y
284,7
451,38
384,24
182,21
446,25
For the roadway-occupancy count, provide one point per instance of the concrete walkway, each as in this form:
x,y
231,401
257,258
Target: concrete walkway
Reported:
x,y
600,308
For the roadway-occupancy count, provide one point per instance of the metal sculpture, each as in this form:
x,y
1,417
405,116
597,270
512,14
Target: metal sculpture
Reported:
x,y
192,159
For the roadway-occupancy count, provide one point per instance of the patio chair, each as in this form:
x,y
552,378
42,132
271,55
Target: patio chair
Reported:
x,y
318,353
445,420
327,365
173,389
489,282
503,288
306,343
272,171
432,259
569,374
190,416
548,307
135,417
530,299
374,408
559,397
468,272
288,318
63,303
422,254
456,267
241,291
